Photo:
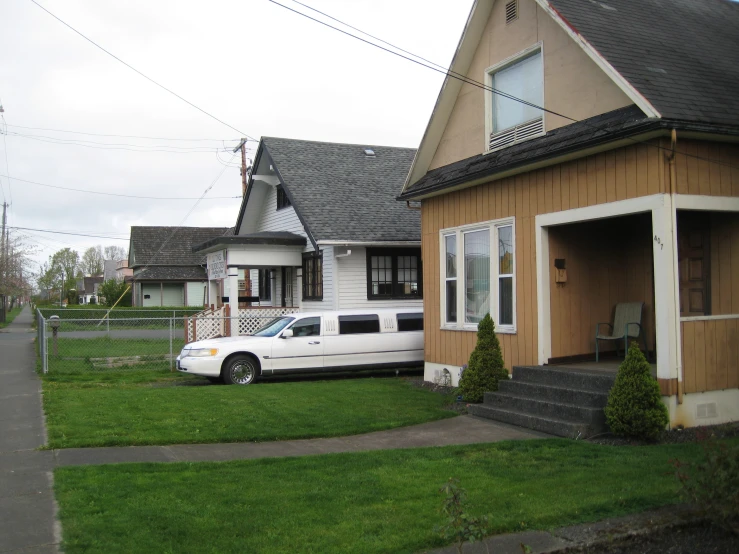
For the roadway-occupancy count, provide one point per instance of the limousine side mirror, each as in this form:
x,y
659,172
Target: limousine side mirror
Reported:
x,y
286,333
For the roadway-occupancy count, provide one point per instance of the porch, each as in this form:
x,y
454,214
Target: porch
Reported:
x,y
249,273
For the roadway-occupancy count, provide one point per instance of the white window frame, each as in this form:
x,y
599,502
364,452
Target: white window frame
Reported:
x,y
492,226
492,70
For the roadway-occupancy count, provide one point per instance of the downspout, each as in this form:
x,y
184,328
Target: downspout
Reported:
x,y
673,215
408,205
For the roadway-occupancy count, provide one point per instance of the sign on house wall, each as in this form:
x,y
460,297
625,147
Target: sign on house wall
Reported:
x,y
217,265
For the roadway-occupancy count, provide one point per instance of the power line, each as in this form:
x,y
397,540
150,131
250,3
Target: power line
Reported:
x,y
193,148
177,228
66,233
460,77
116,194
242,133
103,146
126,136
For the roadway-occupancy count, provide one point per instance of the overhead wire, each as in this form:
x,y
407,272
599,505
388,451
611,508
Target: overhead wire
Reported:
x,y
56,231
116,194
127,136
242,133
448,72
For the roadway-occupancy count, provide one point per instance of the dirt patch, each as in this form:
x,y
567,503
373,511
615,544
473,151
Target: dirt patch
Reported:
x,y
674,436
698,536
452,394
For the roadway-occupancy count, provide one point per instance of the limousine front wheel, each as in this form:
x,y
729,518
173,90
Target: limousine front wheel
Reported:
x,y
240,370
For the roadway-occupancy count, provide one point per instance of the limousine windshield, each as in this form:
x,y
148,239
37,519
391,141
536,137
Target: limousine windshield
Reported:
x,y
274,326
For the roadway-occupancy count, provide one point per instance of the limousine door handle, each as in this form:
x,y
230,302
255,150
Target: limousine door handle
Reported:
x,y
314,342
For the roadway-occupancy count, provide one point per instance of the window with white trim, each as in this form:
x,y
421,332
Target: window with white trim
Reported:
x,y
513,111
479,275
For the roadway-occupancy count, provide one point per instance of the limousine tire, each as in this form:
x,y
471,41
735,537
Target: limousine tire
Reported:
x,y
241,369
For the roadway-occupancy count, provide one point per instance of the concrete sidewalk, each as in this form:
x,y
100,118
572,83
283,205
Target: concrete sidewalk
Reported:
x,y
27,508
446,432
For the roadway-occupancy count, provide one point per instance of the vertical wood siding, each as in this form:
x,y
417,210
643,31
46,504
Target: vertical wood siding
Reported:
x,y
697,175
628,172
608,262
710,354
724,259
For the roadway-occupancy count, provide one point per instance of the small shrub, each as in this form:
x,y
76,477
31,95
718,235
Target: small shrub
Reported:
x,y
486,366
713,485
635,407
460,527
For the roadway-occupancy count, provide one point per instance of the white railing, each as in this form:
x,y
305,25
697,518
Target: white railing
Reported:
x,y
206,325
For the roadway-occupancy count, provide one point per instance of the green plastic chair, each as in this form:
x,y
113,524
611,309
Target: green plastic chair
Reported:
x,y
626,325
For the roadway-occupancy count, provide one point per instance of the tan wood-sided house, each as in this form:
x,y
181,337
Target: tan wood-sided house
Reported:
x,y
623,188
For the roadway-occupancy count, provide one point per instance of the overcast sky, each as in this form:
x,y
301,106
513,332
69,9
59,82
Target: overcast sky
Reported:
x,y
256,66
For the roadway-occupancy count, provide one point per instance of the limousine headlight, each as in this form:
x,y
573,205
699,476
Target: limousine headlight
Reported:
x,y
202,352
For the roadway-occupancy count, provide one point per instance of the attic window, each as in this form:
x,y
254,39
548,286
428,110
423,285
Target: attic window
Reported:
x,y
511,11
282,200
369,152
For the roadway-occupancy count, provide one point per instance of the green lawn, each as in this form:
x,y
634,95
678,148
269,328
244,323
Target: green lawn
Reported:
x,y
10,316
118,409
372,502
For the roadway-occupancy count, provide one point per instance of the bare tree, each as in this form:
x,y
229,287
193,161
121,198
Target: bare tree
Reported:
x,y
92,260
115,253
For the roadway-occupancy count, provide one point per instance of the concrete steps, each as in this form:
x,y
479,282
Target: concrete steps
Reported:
x,y
555,400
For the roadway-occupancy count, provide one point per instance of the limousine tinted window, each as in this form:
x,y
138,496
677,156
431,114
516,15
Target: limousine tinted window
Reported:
x,y
308,327
356,324
410,322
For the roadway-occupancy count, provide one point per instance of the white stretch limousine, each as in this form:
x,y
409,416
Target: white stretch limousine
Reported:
x,y
312,342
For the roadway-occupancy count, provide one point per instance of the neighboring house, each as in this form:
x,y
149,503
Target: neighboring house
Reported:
x,y
122,271
319,229
87,289
109,269
548,222
166,272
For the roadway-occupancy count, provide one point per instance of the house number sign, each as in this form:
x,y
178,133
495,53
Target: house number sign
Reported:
x,y
217,265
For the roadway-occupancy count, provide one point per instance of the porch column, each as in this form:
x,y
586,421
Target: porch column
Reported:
x,y
299,293
233,299
666,307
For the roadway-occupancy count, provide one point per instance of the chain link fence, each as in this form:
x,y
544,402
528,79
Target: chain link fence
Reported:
x,y
113,344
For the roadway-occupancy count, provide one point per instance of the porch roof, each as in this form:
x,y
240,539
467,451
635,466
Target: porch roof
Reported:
x,y
621,126
265,238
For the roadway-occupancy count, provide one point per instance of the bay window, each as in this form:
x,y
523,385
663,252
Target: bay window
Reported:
x,y
483,280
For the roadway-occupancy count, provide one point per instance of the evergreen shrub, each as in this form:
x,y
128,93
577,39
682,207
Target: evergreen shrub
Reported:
x,y
635,408
486,366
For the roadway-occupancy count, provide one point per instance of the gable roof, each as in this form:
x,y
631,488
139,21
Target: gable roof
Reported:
x,y
342,194
681,55
677,59
146,241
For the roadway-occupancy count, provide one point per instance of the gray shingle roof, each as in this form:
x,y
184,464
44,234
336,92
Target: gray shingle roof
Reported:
x,y
146,241
620,124
343,194
171,273
681,55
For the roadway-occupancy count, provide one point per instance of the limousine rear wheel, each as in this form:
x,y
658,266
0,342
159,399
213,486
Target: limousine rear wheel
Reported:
x,y
240,370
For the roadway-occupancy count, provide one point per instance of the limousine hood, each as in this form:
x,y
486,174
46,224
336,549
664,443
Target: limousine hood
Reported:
x,y
215,343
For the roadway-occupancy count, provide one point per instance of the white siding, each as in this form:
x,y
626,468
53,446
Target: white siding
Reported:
x,y
328,284
285,220
195,293
353,284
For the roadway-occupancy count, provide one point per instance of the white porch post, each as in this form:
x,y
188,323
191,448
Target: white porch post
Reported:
x,y
664,245
233,299
544,310
299,292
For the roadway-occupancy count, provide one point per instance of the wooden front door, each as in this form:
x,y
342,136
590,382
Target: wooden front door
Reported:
x,y
693,254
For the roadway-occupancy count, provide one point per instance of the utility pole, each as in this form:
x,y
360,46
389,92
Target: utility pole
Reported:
x,y
4,266
242,147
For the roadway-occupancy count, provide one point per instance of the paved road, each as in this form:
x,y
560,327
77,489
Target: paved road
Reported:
x,y
27,507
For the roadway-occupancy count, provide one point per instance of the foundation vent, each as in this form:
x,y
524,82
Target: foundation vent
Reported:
x,y
511,11
706,411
